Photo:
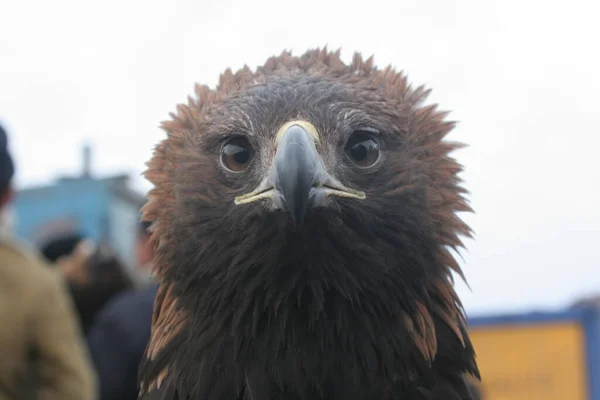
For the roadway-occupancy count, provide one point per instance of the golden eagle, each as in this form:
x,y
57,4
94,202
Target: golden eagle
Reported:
x,y
304,216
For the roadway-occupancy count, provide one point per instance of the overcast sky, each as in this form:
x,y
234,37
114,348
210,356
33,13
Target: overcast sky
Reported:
x,y
522,77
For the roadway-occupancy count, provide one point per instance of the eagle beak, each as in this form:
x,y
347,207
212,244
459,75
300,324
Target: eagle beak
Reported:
x,y
297,179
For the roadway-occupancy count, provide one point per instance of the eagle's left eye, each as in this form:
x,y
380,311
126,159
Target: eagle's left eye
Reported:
x,y
363,149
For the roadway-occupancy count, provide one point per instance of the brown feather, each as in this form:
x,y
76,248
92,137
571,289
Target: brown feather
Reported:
x,y
168,320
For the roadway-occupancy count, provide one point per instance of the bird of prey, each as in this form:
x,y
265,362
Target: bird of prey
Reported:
x,y
304,216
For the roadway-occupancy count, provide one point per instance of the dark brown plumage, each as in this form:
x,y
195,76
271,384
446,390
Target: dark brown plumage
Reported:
x,y
309,260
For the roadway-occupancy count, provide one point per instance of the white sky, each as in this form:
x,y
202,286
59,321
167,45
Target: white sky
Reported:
x,y
520,76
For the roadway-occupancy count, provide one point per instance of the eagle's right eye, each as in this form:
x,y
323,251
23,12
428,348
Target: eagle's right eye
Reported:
x,y
236,154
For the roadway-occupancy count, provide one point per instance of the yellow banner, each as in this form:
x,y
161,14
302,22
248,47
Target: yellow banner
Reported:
x,y
532,362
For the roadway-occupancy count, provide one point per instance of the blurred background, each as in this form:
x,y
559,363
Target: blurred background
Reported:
x,y
84,86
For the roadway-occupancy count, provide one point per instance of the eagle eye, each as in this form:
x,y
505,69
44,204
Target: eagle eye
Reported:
x,y
363,149
236,154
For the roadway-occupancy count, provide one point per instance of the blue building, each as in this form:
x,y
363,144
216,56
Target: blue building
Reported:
x,y
106,210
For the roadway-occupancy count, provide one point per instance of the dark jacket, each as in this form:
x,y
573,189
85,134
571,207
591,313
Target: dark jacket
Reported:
x,y
118,339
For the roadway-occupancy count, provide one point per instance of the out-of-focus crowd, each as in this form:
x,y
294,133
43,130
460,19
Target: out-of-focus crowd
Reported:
x,y
73,322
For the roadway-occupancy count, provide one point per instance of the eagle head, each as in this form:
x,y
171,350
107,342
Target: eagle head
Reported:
x,y
303,215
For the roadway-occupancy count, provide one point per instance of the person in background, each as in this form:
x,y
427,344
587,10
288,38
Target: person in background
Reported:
x,y
42,352
144,251
95,281
122,330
